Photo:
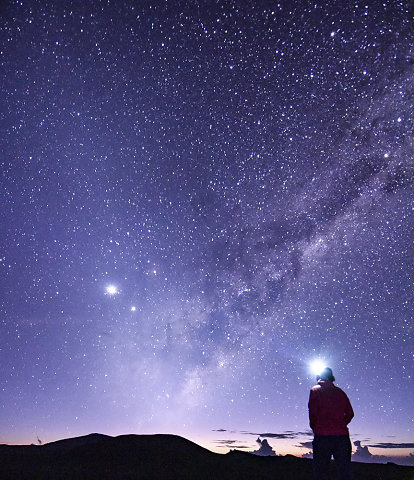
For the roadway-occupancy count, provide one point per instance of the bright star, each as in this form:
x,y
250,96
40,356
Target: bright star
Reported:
x,y
111,290
133,309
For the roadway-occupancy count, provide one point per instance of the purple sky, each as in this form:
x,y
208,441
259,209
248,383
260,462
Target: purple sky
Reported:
x,y
198,200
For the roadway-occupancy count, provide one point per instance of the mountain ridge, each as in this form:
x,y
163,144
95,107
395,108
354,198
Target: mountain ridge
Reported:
x,y
160,457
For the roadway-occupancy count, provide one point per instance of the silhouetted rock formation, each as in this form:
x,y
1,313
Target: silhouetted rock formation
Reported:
x,y
159,457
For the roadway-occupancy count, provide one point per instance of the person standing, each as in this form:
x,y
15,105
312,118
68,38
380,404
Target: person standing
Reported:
x,y
330,412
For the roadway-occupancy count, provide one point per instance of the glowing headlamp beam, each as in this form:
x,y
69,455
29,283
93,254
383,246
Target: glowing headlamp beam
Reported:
x,y
317,366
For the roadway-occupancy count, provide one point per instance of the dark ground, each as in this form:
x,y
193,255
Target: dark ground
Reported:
x,y
161,457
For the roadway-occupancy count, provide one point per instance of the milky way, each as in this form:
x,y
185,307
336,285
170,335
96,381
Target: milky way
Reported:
x,y
198,200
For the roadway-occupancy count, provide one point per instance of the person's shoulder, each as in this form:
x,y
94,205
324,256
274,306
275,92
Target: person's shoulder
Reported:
x,y
339,390
315,388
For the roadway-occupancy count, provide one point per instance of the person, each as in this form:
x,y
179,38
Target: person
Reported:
x,y
330,412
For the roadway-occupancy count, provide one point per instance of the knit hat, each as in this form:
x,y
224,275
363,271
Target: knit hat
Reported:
x,y
326,374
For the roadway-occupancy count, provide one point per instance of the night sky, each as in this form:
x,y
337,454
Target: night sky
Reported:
x,y
198,199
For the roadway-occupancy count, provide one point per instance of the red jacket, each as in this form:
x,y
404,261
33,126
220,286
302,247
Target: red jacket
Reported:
x,y
330,410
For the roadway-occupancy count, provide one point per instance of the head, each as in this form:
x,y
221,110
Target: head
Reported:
x,y
326,374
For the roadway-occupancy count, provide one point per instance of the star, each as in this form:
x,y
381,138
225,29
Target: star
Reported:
x,y
111,290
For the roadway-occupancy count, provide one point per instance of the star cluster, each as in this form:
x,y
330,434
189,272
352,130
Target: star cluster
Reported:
x,y
198,200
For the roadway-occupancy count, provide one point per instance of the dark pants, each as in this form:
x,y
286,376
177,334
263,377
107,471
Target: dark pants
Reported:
x,y
324,446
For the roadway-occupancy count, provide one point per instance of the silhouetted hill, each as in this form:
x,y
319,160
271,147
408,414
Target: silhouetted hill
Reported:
x,y
159,457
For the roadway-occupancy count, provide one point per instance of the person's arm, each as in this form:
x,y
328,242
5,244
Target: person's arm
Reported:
x,y
313,409
349,413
